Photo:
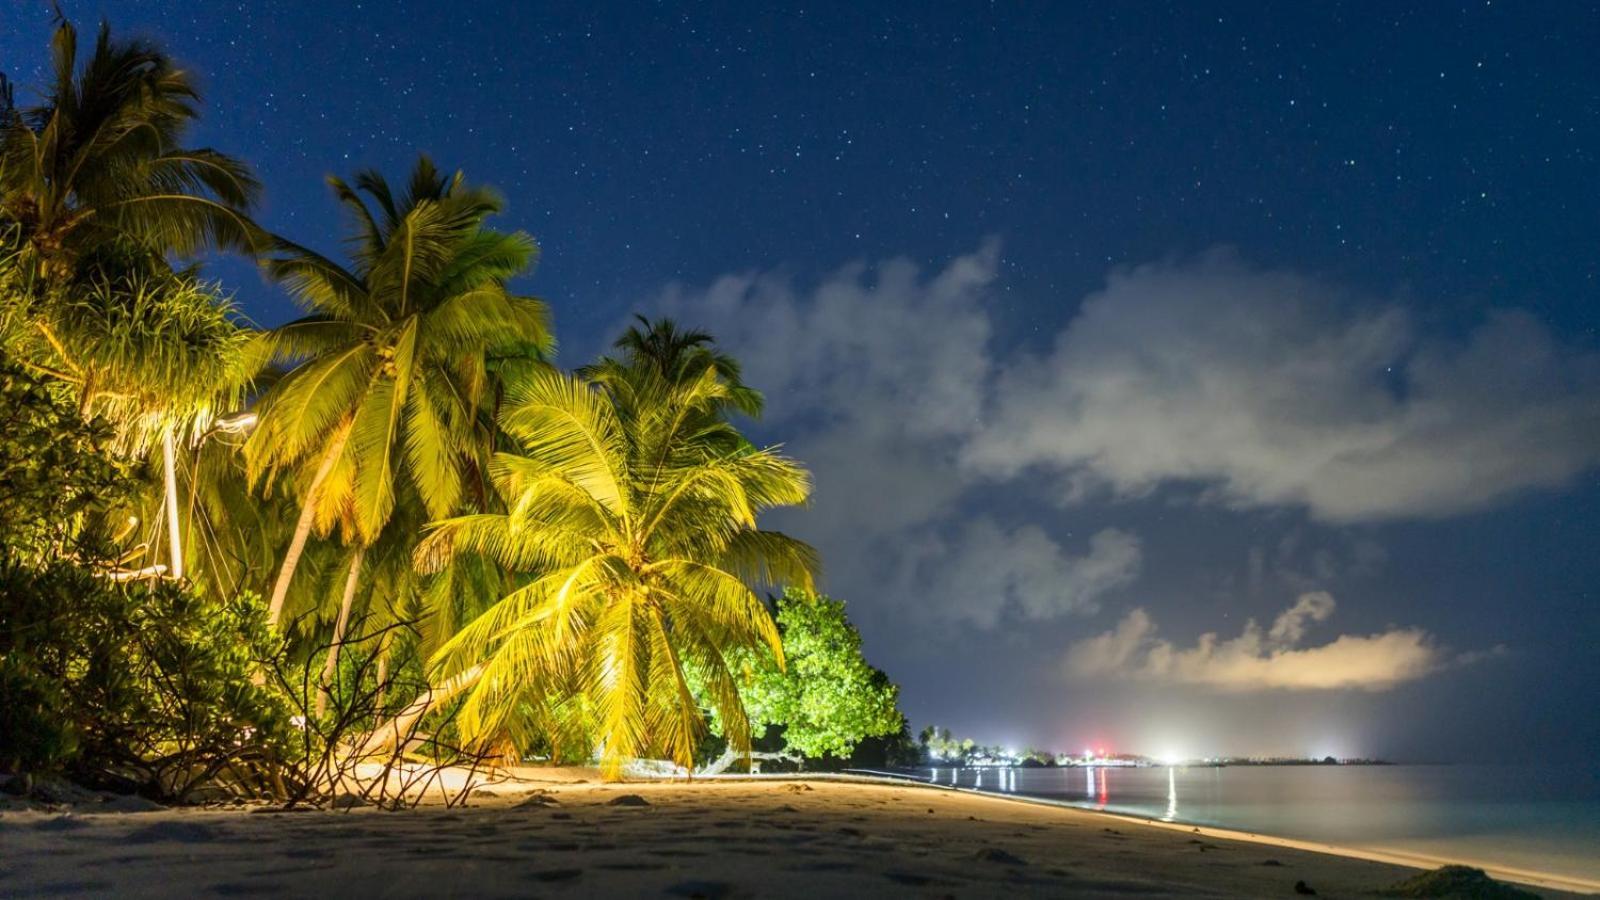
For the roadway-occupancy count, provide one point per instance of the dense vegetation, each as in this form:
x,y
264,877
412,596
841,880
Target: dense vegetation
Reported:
x,y
231,553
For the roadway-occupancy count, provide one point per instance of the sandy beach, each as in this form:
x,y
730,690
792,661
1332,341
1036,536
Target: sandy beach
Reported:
x,y
710,839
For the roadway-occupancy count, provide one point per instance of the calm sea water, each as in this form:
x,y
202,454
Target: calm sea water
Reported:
x,y
1545,819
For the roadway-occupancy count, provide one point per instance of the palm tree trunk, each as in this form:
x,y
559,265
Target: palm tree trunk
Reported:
x,y
332,665
399,729
169,463
383,676
302,528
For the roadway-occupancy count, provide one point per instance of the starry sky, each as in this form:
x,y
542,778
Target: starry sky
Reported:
x,y
1177,377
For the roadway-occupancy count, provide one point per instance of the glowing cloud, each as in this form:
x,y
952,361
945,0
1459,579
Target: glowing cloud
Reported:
x,y
1270,659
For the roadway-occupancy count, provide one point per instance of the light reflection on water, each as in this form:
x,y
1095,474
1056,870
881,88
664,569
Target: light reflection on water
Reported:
x,y
1541,818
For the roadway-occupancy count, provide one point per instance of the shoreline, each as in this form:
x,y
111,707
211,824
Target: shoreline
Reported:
x,y
1532,878
559,832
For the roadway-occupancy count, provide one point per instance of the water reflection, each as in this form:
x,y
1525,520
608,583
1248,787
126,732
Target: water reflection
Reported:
x,y
1172,796
1536,818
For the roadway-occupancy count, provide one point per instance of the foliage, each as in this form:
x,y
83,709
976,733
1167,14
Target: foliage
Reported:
x,y
56,478
393,354
938,744
827,699
101,163
632,507
139,680
613,514
142,682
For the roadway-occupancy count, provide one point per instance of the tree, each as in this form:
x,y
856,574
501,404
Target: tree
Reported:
x,y
96,189
826,697
102,676
632,511
101,162
160,357
393,358
678,357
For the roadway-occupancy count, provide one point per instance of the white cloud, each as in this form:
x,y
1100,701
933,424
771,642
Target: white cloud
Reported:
x,y
1265,389
1269,389
1266,659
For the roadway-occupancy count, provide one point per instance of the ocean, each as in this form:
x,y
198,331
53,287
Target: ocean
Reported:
x,y
1539,818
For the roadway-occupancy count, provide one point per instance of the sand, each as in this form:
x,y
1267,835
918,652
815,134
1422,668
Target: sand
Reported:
x,y
810,839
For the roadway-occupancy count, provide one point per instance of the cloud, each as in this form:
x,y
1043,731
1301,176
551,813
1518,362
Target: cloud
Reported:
x,y
1271,659
1271,389
876,377
987,574
1249,388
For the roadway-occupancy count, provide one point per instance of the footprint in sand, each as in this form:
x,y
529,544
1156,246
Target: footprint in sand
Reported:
x,y
701,890
176,832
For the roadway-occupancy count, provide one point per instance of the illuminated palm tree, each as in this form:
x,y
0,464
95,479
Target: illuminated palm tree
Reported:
x,y
676,355
96,189
161,357
393,359
632,512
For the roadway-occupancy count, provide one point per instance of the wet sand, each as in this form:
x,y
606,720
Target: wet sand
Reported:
x,y
710,839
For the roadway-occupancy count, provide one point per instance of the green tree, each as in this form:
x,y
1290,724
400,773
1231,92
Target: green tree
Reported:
x,y
826,697
632,510
393,359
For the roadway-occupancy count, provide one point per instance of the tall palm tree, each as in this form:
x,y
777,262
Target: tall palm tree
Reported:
x,y
632,512
96,189
393,358
102,162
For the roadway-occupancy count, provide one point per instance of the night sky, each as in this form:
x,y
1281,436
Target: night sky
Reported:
x,y
1101,329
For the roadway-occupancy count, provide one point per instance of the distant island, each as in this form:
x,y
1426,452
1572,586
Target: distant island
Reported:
x,y
939,748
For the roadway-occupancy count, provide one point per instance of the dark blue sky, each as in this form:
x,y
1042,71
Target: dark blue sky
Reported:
x,y
1390,178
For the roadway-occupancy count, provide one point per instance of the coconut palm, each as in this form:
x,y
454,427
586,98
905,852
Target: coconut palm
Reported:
x,y
676,355
393,358
632,512
96,189
101,162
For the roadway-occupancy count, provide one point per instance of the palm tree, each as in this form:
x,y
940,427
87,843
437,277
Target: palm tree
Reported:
x,y
393,358
676,355
96,189
101,163
632,510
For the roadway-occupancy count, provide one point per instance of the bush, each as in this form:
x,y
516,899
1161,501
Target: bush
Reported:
x,y
133,685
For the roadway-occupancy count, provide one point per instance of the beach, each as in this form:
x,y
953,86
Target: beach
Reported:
x,y
571,836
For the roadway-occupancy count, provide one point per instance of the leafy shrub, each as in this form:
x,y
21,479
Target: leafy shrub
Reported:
x,y
140,684
148,683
